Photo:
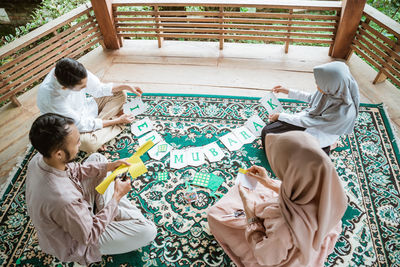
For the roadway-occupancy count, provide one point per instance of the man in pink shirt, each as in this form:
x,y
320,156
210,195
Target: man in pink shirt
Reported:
x,y
74,222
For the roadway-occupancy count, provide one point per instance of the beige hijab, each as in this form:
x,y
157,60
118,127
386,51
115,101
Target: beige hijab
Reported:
x,y
311,198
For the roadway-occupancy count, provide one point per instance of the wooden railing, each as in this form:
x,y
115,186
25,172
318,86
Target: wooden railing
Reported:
x,y
377,41
25,61
311,22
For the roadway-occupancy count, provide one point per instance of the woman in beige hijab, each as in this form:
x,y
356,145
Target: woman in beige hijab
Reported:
x,y
292,222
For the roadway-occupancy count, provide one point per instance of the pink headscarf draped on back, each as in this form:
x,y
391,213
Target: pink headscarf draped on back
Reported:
x,y
311,198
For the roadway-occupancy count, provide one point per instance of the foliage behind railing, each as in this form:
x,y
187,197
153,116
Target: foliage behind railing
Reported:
x,y
25,61
300,22
377,42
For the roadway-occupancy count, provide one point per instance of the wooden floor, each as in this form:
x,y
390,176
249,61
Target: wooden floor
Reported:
x,y
196,68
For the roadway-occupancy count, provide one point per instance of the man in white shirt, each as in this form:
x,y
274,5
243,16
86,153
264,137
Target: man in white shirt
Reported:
x,y
70,90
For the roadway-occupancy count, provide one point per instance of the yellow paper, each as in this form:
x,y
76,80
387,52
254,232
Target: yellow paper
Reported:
x,y
136,169
243,171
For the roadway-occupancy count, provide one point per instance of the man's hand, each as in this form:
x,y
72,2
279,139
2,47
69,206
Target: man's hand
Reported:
x,y
273,117
280,89
121,188
136,90
115,164
249,205
125,118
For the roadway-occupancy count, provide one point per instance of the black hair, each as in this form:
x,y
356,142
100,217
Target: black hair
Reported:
x,y
70,72
48,133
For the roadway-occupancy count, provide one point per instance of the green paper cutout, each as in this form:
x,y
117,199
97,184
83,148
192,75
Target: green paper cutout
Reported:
x,y
162,176
209,180
162,148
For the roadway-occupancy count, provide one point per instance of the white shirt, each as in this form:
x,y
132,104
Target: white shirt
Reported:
x,y
325,139
74,104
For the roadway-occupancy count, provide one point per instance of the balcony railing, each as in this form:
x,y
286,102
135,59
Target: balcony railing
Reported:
x,y
27,60
303,22
377,41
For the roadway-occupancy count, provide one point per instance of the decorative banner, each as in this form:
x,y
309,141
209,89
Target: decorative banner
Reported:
x,y
245,180
153,136
244,135
255,124
195,156
271,103
141,127
160,150
134,107
177,159
231,142
213,152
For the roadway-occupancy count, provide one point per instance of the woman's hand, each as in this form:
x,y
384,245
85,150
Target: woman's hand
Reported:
x,y
280,89
261,175
273,117
249,205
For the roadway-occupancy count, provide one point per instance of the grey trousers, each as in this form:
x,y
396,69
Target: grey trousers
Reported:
x,y
129,230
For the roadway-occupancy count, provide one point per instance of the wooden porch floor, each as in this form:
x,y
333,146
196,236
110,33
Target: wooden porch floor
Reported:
x,y
196,68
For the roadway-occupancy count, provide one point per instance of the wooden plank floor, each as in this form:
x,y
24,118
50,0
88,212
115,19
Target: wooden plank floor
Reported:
x,y
196,68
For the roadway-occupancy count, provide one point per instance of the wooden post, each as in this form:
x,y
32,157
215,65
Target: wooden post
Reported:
x,y
221,21
157,20
289,26
350,17
15,101
104,16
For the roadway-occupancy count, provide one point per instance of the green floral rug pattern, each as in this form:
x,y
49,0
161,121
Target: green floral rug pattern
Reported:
x,y
367,162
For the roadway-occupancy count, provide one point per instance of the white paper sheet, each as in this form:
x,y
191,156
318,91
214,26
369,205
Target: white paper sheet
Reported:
x,y
255,124
153,136
213,152
231,142
134,107
244,135
177,159
271,103
141,127
195,156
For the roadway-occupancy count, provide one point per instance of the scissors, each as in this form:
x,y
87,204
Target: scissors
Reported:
x,y
123,176
236,214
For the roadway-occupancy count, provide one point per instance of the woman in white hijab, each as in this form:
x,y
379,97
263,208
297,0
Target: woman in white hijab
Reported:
x,y
332,111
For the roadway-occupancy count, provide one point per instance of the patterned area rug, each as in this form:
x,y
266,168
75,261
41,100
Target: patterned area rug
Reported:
x,y
367,162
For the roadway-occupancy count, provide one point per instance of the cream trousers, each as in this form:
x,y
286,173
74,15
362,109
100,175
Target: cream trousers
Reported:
x,y
108,106
129,230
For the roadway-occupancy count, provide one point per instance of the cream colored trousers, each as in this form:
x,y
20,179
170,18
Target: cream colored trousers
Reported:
x,y
108,106
129,230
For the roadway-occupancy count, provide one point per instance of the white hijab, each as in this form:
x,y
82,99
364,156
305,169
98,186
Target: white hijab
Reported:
x,y
336,111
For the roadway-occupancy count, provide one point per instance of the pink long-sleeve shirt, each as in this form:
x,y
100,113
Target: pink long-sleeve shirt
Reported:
x,y
58,206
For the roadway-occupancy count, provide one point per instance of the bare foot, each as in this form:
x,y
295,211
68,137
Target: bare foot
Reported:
x,y
102,148
120,113
335,145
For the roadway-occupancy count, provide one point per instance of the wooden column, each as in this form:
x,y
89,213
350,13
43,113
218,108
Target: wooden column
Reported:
x,y
351,14
221,21
104,16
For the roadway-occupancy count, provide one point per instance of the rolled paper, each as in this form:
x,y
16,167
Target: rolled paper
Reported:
x,y
136,169
243,171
